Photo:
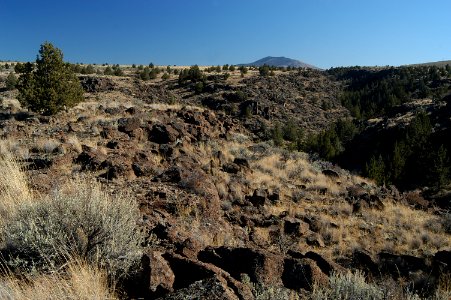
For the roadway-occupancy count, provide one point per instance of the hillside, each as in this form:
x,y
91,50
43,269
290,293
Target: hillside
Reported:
x,y
228,206
280,62
442,63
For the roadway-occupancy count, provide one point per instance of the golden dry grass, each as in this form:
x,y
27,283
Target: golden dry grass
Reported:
x,y
81,281
398,227
14,189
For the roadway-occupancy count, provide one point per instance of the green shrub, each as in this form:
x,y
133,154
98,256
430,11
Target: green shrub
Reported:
x,y
89,69
277,135
117,71
11,81
165,76
264,70
347,286
50,88
108,71
199,87
76,221
446,222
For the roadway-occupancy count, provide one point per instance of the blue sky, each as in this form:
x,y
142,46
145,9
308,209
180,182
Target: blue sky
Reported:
x,y
324,33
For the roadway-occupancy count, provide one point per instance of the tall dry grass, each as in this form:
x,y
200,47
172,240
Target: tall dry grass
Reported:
x,y
81,281
14,189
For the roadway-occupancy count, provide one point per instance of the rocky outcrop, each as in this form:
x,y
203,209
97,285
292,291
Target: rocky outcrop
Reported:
x,y
259,265
96,84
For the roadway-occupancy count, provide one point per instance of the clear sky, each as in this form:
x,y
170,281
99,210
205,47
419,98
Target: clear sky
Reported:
x,y
324,33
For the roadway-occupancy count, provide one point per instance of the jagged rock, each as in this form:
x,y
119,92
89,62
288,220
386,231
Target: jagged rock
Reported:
x,y
258,198
326,265
302,274
401,265
96,84
363,260
113,144
38,163
316,225
376,202
241,162
128,125
274,197
166,151
314,239
173,174
295,226
116,170
261,266
356,192
188,271
113,110
442,261
161,274
359,206
90,159
142,169
131,110
231,168
190,117
416,200
189,248
214,288
163,134
331,173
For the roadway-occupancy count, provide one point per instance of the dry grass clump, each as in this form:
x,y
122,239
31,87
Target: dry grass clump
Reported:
x,y
42,233
353,286
347,286
82,281
14,190
76,220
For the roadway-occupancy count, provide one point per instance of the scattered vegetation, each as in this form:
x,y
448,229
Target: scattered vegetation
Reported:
x,y
354,286
371,93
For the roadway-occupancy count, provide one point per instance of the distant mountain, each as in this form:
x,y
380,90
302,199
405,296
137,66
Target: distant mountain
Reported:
x,y
279,62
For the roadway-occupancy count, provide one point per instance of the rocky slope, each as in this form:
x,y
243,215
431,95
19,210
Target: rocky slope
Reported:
x,y
224,212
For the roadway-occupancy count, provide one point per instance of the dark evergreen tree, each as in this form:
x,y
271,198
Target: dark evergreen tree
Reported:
x,y
52,86
11,81
375,169
264,70
277,135
440,168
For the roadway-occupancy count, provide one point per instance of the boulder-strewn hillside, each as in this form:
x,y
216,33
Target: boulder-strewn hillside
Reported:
x,y
226,214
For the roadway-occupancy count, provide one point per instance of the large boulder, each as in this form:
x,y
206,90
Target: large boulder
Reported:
x,y
302,273
163,134
96,84
128,125
90,159
260,266
191,273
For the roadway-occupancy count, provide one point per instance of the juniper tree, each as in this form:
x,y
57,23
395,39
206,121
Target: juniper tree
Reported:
x,y
11,81
50,88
